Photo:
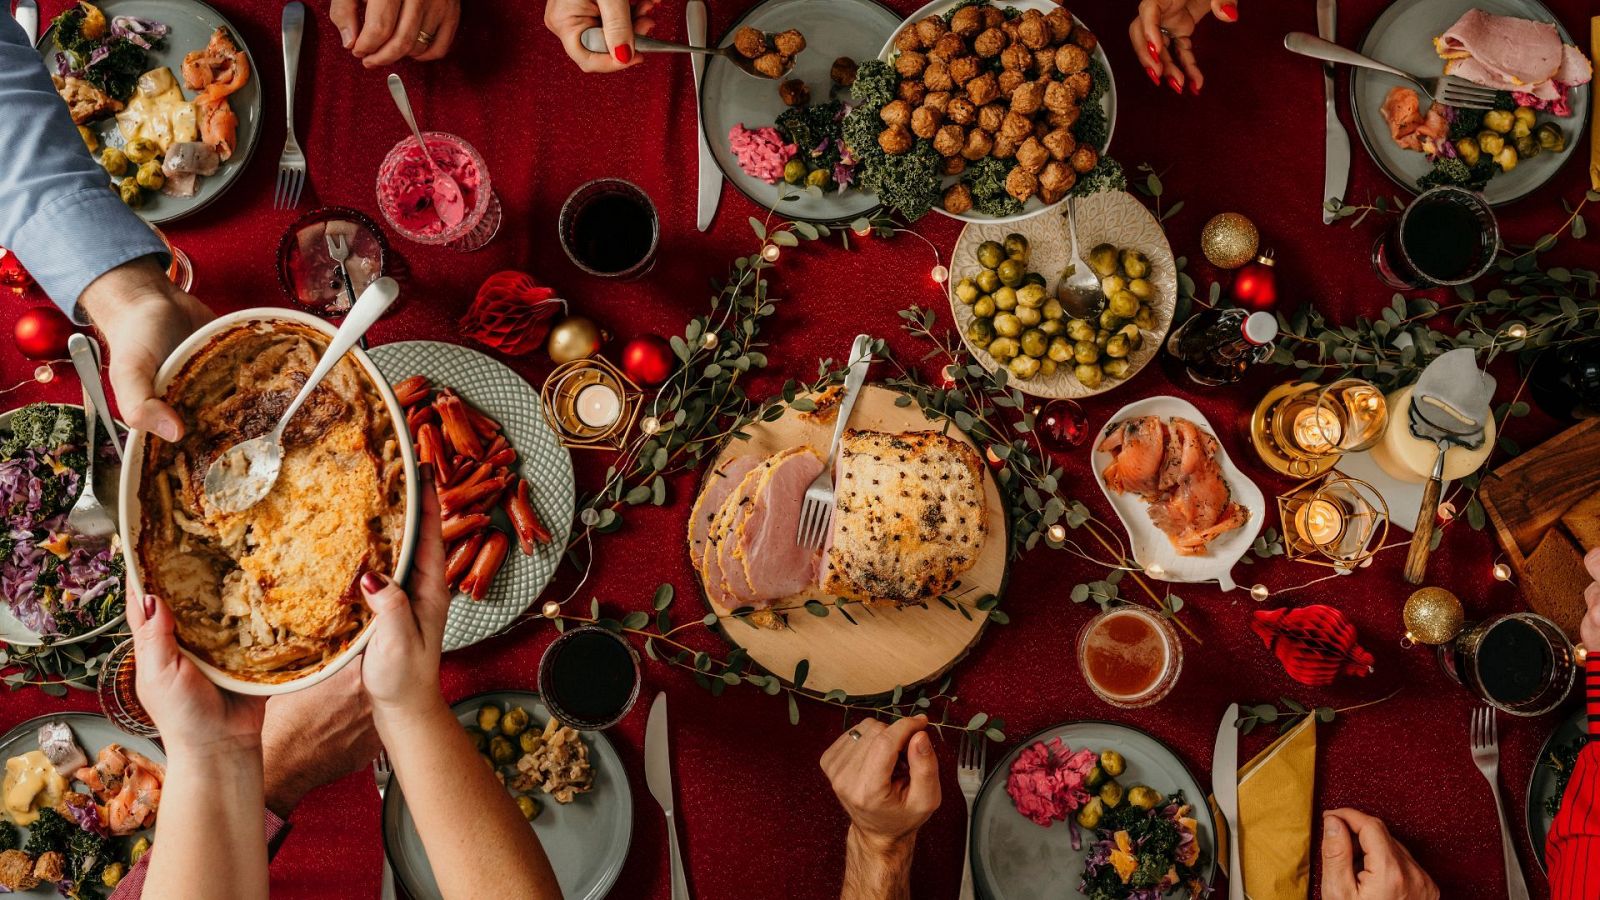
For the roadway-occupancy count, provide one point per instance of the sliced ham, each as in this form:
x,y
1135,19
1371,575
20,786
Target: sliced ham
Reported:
x,y
775,565
1511,54
722,570
718,486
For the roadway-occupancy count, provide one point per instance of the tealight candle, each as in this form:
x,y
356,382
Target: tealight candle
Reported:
x,y
1320,522
1317,430
598,405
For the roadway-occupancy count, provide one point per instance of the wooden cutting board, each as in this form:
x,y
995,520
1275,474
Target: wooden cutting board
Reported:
x,y
884,647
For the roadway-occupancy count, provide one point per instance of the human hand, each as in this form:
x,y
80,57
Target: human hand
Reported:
x,y
621,20
144,317
1589,630
884,808
191,712
1163,38
1387,870
394,29
400,667
315,737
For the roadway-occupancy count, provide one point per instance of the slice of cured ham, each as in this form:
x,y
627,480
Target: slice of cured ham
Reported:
x,y
719,484
1512,54
774,563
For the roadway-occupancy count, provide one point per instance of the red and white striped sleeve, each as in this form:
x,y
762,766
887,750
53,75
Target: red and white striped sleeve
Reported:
x,y
1572,849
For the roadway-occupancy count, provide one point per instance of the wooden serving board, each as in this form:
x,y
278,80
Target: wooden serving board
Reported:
x,y
886,647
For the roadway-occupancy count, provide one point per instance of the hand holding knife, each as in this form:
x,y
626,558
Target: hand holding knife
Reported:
x,y
1337,174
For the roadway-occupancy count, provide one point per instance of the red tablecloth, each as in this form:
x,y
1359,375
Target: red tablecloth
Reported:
x,y
758,818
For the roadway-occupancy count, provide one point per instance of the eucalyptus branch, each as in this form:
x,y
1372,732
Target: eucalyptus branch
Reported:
x,y
1286,713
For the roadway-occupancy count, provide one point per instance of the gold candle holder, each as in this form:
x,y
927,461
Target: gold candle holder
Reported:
x,y
1303,428
1333,520
591,404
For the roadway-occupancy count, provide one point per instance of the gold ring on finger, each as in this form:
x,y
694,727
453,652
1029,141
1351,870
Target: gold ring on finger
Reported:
x,y
424,38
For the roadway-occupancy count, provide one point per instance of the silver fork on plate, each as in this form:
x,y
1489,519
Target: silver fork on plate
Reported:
x,y
381,773
817,509
339,251
292,163
970,767
1446,89
1485,741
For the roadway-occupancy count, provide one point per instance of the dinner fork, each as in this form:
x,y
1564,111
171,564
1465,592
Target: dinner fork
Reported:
x,y
1485,742
1446,89
339,251
817,509
88,515
970,766
292,163
381,773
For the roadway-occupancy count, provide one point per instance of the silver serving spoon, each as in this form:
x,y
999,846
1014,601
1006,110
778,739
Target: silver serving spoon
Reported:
x,y
88,515
594,40
245,472
1079,287
448,204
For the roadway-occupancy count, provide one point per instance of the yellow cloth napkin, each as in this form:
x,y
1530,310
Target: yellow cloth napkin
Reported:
x,y
1594,120
1275,796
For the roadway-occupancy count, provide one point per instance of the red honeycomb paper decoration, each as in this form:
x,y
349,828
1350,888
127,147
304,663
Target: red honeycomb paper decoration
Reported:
x,y
1314,643
511,313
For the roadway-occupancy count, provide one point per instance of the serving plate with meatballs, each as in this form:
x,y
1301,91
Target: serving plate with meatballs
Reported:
x,y
1003,296
1017,101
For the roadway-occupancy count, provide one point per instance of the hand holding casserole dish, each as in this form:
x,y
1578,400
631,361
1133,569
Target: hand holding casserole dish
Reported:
x,y
266,600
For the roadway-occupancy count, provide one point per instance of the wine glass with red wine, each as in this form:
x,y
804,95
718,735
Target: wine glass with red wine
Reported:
x,y
609,228
1447,236
589,677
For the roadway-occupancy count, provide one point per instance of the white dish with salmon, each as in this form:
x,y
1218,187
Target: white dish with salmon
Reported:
x,y
1189,512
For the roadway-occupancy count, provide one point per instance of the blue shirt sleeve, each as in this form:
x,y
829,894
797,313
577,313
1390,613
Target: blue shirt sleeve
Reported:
x,y
57,212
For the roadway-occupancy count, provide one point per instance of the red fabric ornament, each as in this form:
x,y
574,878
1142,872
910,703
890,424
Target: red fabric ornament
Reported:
x,y
511,313
1314,643
42,332
1256,284
647,359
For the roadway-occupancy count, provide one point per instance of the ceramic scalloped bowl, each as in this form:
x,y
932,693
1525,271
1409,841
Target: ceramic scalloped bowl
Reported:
x,y
129,508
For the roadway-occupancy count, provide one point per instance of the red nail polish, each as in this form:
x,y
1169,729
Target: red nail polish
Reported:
x,y
1155,79
1230,11
1154,50
1172,82
1194,88
623,53
149,606
372,582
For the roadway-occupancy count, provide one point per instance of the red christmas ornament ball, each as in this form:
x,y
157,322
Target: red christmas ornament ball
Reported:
x,y
647,359
1256,285
42,332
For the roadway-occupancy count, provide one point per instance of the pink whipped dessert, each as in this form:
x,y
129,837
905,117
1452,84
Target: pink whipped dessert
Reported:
x,y
761,151
424,207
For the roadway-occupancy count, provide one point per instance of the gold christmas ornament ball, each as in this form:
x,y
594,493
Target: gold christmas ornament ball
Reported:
x,y
551,609
574,337
1229,240
1433,616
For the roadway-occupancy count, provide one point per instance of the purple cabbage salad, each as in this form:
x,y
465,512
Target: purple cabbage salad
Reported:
x,y
57,583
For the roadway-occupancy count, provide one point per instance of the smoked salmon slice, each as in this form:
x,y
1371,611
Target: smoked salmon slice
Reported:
x,y
1173,467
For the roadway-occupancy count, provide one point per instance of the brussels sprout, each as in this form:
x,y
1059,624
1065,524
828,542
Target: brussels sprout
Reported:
x,y
981,331
1091,813
501,750
1028,317
1047,367
489,717
1134,264
1089,376
1143,797
1117,346
1103,260
1011,273
1524,115
112,874
1031,295
987,281
1116,368
1005,298
1085,352
1550,137
1499,120
514,722
1052,327
150,177
1467,150
1060,349
1007,325
131,193
1036,278
1123,305
1110,321
1052,309
967,291
1017,248
1528,146
141,150
1023,366
480,741
530,740
1133,334
1506,158
138,850
1079,330
794,171
528,806
1111,794
991,254
819,178
1004,348
1490,142
1146,319
1035,342
1142,288
1113,763
1096,777
114,161
984,308
1520,130
1113,283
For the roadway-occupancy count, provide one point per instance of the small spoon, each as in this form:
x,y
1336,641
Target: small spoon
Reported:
x,y
448,204
1079,288
594,40
245,472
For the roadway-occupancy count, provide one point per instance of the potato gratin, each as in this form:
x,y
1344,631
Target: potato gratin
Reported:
x,y
269,594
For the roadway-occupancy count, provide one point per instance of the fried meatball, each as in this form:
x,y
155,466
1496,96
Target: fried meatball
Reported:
x,y
790,42
948,47
911,92
1031,155
1017,126
894,141
843,72
949,140
989,43
794,93
1084,158
1016,57
930,29
1050,197
1080,84
1060,23
978,145
925,121
964,68
983,89
958,199
936,77
961,111
1044,62
1010,80
1084,38
990,117
1021,184
1032,30
937,100
895,112
907,40
770,65
750,42
1060,143
1057,176
953,165
1065,119
1011,30
910,63
1071,58
1027,98
967,21
993,17
1004,147
1058,97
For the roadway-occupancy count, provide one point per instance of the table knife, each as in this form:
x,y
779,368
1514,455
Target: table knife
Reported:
x,y
710,191
28,18
1336,176
658,775
1225,788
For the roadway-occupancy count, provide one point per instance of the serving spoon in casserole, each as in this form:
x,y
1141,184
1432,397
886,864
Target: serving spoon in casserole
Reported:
x,y
245,472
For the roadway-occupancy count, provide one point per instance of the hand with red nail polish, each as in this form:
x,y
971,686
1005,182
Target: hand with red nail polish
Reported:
x,y
1163,39
400,667
619,19
191,712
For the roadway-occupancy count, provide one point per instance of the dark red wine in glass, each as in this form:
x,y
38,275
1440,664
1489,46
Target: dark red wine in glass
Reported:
x,y
1447,236
589,677
609,228
1519,663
